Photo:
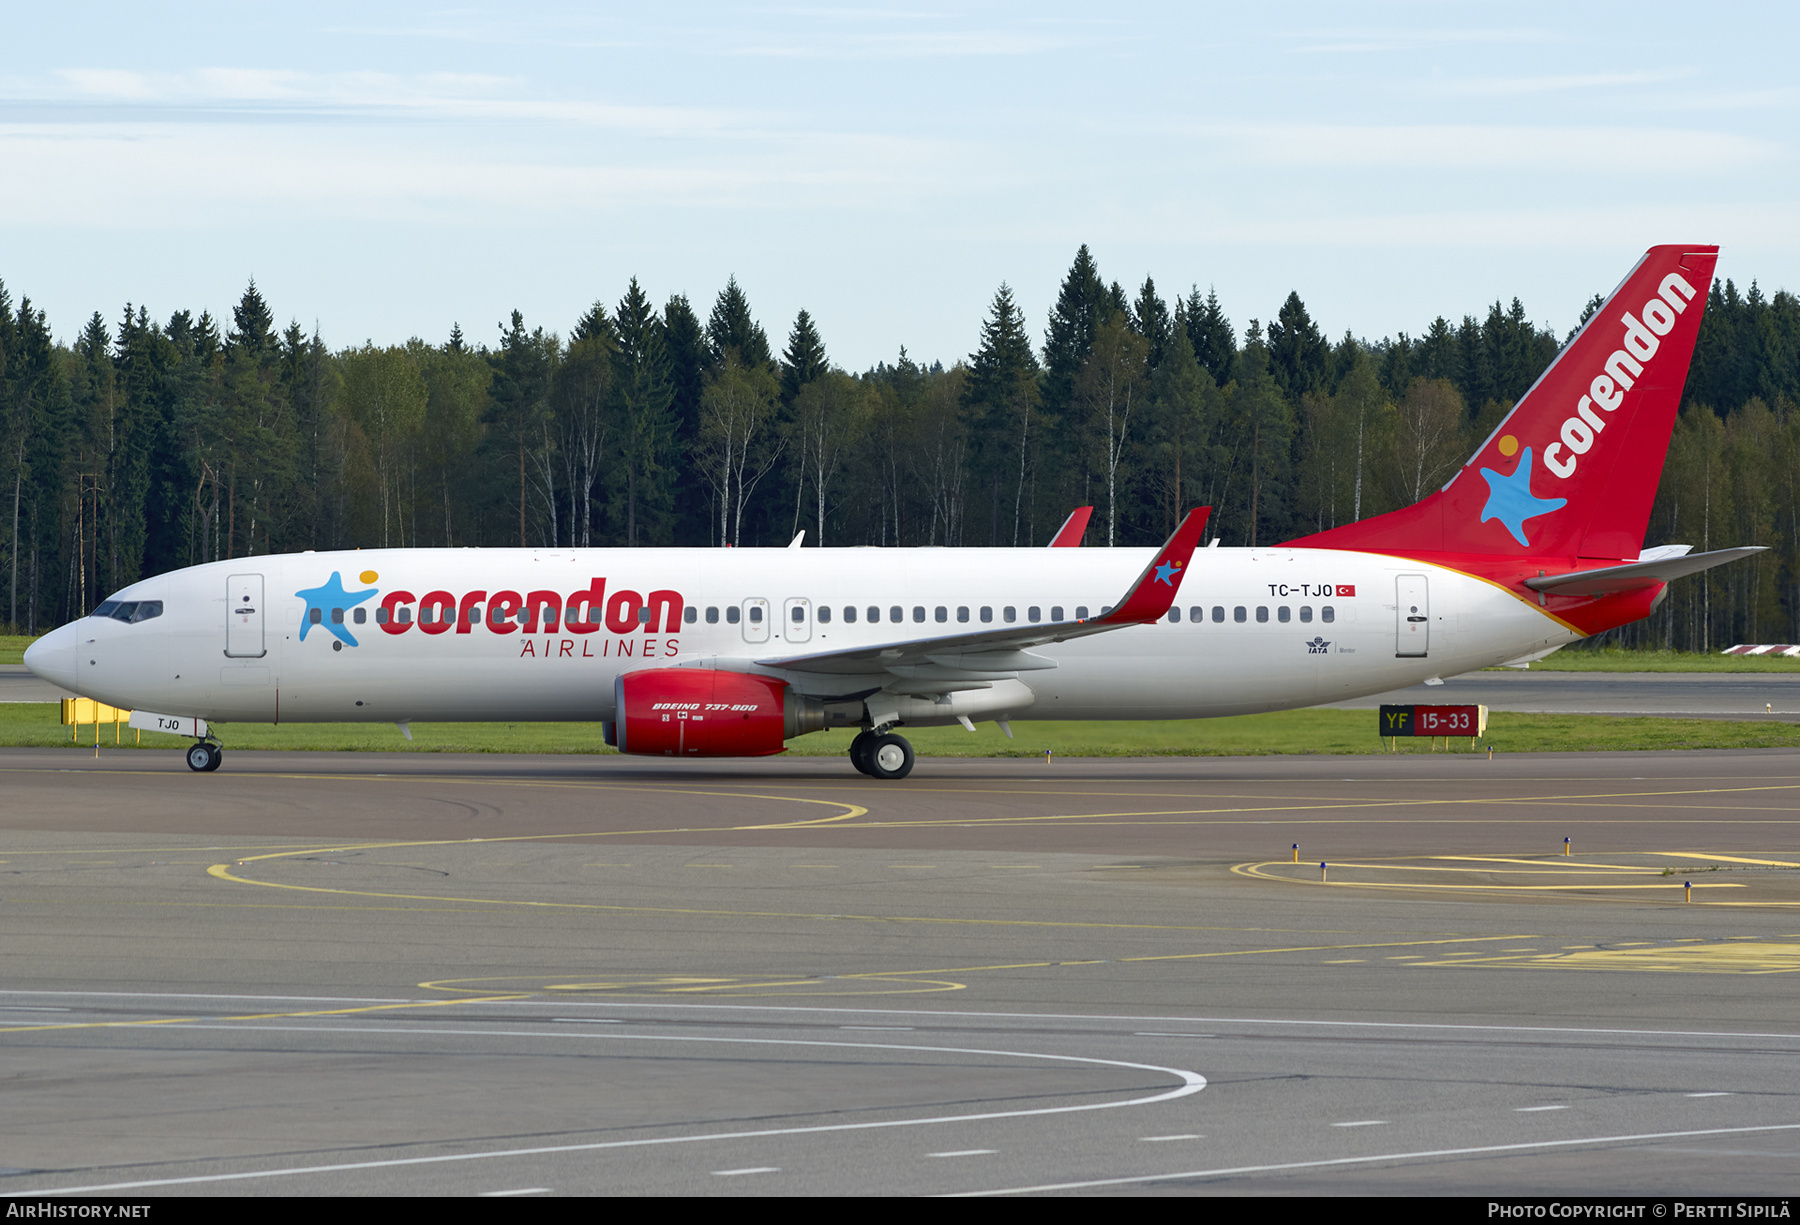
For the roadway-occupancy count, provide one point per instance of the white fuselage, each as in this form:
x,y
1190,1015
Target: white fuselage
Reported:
x,y
1315,626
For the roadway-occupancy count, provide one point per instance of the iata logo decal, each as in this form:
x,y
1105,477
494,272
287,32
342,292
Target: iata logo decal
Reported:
x,y
1317,647
327,604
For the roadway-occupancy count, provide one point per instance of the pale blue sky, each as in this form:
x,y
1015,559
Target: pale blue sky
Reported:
x,y
385,169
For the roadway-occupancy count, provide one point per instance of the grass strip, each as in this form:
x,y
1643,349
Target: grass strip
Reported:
x,y
34,724
1614,660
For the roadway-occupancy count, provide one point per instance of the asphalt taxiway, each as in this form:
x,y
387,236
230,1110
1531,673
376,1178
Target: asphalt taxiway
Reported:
x,y
407,974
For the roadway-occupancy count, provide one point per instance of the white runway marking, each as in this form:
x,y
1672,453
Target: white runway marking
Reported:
x,y
1341,1161
749,1169
966,1152
1363,1123
1191,1083
1531,1109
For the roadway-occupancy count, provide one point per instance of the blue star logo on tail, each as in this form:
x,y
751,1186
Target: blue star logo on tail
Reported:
x,y
1165,572
1511,501
327,597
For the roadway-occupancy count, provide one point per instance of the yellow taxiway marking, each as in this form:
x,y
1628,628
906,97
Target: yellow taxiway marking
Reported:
x,y
1752,957
1289,873
1767,863
1375,884
911,980
1561,864
257,1016
836,985
223,872
1073,790
1332,805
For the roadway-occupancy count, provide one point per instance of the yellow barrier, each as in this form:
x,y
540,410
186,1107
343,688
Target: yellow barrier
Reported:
x,y
76,711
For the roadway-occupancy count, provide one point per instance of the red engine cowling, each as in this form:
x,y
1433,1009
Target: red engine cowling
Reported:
x,y
700,712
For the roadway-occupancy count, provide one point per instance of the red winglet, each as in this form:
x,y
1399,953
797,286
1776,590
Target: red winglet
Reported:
x,y
1151,597
1069,535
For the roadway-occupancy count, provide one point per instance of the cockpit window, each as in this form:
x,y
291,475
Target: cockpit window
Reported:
x,y
129,611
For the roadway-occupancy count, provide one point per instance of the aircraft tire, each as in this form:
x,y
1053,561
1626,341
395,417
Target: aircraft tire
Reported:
x,y
859,752
200,758
890,757
217,754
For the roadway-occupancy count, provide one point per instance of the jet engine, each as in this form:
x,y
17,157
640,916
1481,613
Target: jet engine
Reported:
x,y
704,712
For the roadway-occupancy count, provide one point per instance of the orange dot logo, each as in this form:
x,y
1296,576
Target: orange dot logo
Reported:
x,y
1509,446
369,576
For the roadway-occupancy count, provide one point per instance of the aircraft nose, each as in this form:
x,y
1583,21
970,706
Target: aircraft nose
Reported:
x,y
52,657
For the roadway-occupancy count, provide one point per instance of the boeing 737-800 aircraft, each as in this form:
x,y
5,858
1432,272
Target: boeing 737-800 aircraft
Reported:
x,y
1536,542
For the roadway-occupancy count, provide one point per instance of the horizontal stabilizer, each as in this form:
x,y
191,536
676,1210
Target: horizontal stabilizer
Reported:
x,y
1637,574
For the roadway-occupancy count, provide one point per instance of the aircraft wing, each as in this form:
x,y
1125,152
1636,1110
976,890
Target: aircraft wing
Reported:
x,y
1636,574
1004,648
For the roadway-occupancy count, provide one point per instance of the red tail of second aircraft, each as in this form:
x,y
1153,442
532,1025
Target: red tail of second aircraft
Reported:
x,y
1572,470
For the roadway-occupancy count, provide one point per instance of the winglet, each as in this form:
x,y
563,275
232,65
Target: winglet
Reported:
x,y
1156,588
1069,535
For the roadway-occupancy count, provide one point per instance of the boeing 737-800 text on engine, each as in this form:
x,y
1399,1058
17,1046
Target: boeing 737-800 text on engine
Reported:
x,y
1536,542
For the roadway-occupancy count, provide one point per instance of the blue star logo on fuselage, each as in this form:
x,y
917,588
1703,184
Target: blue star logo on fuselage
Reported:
x,y
1165,572
326,597
1511,501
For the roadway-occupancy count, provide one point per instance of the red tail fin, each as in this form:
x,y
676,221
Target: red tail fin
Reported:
x,y
1069,535
1573,469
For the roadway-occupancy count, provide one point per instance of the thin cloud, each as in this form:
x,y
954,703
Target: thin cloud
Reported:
x,y
1779,97
1514,86
162,97
1493,147
181,172
1345,42
947,44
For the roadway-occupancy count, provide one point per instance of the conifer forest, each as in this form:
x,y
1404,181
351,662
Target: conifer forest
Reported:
x,y
148,444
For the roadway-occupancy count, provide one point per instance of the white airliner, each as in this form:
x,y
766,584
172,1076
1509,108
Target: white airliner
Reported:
x,y
1536,542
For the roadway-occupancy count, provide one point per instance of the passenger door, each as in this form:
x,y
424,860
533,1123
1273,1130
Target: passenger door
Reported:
x,y
244,617
1412,616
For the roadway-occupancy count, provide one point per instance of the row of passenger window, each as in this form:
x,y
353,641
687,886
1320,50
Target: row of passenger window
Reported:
x,y
1009,614
1240,614
895,613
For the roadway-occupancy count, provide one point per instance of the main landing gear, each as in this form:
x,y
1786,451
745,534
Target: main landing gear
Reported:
x,y
204,757
882,755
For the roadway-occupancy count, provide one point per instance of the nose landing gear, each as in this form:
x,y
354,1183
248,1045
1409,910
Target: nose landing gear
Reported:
x,y
204,757
882,755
